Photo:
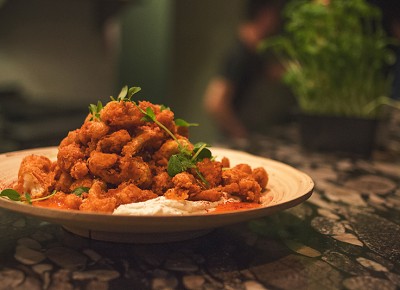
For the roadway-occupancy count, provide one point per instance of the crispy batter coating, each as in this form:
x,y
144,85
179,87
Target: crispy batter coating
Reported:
x,y
261,176
211,171
161,183
121,115
239,182
114,142
35,176
147,138
128,193
92,131
225,162
121,157
213,194
97,199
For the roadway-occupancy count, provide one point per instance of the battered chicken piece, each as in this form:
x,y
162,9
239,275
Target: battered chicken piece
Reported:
x,y
121,115
97,200
187,181
249,190
242,184
114,142
36,176
211,171
92,131
136,170
243,167
225,162
184,185
232,175
128,193
161,183
104,166
166,117
146,138
261,176
114,169
63,182
213,194
71,138
70,158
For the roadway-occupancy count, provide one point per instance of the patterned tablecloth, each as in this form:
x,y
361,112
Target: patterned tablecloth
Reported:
x,y
346,236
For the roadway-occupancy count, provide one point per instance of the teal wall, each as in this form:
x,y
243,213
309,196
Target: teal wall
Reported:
x,y
172,48
145,47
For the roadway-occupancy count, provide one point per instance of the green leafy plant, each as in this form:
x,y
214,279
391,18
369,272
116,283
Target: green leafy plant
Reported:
x,y
335,54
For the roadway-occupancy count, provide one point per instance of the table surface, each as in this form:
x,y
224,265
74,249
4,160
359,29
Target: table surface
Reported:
x,y
346,236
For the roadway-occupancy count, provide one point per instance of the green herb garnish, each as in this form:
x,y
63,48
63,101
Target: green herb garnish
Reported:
x,y
15,196
126,94
95,111
11,194
80,190
183,123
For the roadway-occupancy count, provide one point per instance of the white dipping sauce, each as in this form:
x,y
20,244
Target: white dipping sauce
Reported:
x,y
163,206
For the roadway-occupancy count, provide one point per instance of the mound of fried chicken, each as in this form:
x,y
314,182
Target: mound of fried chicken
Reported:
x,y
121,158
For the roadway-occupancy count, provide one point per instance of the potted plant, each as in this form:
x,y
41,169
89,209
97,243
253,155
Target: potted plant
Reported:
x,y
335,54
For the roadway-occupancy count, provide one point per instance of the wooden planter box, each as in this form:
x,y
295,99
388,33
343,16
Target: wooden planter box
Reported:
x,y
355,136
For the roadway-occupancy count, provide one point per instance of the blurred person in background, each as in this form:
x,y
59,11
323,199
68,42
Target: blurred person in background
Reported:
x,y
247,94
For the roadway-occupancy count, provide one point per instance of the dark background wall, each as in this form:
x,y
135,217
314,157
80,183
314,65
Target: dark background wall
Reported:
x,y
57,57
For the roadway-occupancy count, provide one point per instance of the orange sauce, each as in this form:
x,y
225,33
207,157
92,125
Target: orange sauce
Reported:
x,y
53,202
235,206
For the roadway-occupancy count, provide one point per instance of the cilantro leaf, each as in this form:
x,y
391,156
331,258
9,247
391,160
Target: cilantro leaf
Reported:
x,y
11,194
178,163
132,91
183,123
15,196
28,198
80,190
95,110
200,152
122,95
163,107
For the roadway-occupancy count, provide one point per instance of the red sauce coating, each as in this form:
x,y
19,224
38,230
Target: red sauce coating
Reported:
x,y
235,206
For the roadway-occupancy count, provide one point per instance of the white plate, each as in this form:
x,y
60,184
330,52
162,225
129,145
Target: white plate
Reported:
x,y
287,187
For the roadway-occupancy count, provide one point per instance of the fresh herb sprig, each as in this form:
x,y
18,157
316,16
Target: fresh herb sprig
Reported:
x,y
80,190
95,110
126,94
183,123
26,198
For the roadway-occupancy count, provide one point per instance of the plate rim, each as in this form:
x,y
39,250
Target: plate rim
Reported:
x,y
49,214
